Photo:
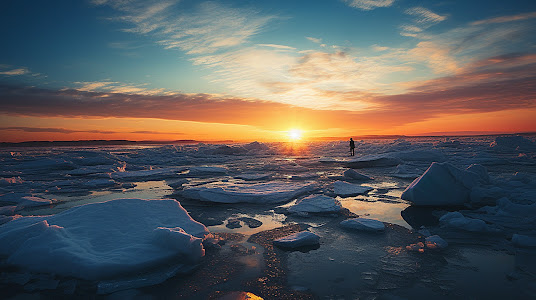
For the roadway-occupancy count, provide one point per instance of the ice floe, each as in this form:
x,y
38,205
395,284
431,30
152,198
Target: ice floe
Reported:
x,y
353,174
297,240
373,161
455,220
346,189
103,240
521,240
435,242
363,224
227,192
442,185
316,204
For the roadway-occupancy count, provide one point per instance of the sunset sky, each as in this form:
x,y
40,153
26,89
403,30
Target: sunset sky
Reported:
x,y
254,70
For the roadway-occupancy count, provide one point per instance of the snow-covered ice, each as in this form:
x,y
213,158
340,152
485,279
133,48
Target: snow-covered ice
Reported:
x,y
103,240
363,224
435,242
346,189
297,240
442,185
353,174
373,161
316,204
227,192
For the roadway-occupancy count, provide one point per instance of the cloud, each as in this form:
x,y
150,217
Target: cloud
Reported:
x,y
493,84
16,72
207,28
504,19
69,131
369,4
280,47
425,16
118,87
314,40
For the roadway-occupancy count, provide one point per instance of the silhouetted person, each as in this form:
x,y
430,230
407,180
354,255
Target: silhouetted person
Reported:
x,y
352,147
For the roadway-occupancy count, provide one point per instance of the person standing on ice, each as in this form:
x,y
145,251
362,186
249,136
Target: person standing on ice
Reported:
x,y
352,147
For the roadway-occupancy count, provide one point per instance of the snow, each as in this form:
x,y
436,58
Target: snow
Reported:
x,y
345,189
435,242
363,224
442,184
297,240
373,161
227,192
353,174
102,240
316,204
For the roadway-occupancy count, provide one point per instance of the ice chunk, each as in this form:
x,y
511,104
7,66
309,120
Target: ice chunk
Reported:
x,y
458,221
363,224
316,204
103,240
200,171
328,160
481,171
405,171
299,239
99,183
373,161
345,189
227,192
435,242
254,176
256,147
23,200
155,174
353,174
510,143
524,241
441,185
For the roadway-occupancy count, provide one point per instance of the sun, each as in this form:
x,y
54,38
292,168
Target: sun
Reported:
x,y
295,134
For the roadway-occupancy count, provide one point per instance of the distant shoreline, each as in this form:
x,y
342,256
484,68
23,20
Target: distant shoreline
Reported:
x,y
83,143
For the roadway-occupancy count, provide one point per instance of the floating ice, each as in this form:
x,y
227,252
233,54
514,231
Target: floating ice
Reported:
x,y
435,242
103,240
316,204
297,240
363,224
226,192
373,161
420,155
345,189
99,183
353,174
458,221
441,185
481,171
10,181
201,171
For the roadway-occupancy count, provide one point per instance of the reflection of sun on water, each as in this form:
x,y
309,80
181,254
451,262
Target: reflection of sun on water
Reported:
x,y
295,134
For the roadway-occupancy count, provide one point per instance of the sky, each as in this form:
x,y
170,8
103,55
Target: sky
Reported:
x,y
249,70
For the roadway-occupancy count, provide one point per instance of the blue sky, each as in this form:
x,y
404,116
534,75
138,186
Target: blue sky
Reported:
x,y
333,55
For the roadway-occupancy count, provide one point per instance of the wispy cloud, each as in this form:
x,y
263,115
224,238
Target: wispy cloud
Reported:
x,y
280,47
206,29
369,4
425,16
15,72
504,19
118,87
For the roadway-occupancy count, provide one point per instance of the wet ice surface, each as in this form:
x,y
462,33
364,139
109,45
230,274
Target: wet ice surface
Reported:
x,y
481,260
